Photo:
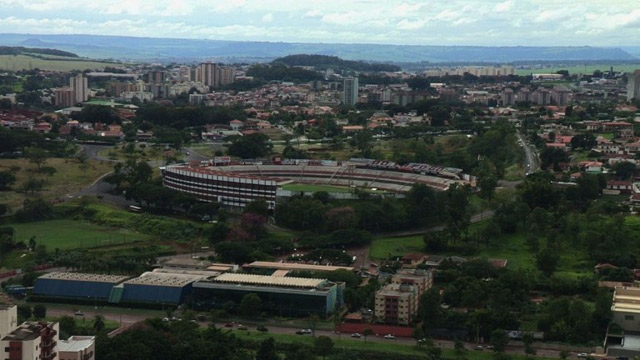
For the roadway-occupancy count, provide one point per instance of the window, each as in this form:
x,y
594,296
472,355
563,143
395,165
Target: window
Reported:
x,y
629,317
7,349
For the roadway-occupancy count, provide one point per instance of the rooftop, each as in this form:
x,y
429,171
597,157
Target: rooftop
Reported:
x,y
165,279
84,277
295,266
626,299
25,332
248,279
76,343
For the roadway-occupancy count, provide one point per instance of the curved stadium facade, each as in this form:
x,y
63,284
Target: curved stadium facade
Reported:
x,y
235,185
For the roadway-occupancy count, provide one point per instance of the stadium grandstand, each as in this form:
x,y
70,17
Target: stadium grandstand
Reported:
x,y
236,184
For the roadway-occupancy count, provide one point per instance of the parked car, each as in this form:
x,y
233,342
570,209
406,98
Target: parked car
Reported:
x,y
228,325
583,355
356,335
389,337
304,331
478,347
79,313
242,327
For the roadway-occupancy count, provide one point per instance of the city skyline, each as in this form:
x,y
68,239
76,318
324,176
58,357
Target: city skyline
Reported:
x,y
458,22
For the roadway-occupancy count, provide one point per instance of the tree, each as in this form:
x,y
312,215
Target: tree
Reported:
x,y
258,207
32,243
250,306
24,312
68,325
499,340
367,332
39,311
418,334
98,323
418,83
624,169
7,178
250,147
323,346
32,185
4,209
456,209
459,350
36,156
527,339
564,354
267,350
547,261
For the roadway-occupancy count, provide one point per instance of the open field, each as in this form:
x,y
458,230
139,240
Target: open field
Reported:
x,y
580,69
71,234
24,62
147,153
512,247
70,177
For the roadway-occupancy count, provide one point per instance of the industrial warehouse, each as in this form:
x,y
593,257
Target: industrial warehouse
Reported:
x,y
206,289
235,185
280,295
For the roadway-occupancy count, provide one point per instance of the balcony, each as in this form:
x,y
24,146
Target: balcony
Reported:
x,y
49,344
50,356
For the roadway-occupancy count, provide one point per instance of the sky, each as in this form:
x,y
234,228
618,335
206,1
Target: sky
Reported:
x,y
426,22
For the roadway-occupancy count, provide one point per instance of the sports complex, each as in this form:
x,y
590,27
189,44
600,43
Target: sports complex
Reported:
x,y
235,184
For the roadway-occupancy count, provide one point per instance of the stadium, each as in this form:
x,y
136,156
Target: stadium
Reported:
x,y
236,184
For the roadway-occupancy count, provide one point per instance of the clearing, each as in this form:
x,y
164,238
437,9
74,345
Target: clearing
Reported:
x,y
25,62
70,176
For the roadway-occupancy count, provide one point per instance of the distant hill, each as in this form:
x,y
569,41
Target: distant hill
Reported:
x,y
19,50
167,50
323,62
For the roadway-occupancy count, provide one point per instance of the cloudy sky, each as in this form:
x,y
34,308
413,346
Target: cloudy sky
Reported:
x,y
426,22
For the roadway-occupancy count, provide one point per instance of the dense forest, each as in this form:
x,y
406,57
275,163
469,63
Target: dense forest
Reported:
x,y
18,50
323,62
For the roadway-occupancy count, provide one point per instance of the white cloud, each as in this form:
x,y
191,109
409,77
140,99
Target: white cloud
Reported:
x,y
267,18
487,22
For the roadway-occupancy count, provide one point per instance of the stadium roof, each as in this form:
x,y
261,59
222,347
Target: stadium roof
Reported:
x,y
295,266
248,279
165,279
69,276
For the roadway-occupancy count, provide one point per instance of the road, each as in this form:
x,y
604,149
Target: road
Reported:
x,y
531,158
127,319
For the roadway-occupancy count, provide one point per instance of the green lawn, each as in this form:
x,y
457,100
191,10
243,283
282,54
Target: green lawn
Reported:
x,y
315,188
71,234
384,248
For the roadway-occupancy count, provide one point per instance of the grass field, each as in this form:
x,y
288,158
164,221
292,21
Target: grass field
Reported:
x,y
315,188
70,177
72,234
512,247
359,344
580,69
24,62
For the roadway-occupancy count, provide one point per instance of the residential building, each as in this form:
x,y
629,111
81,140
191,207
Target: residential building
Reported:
x,y
80,86
396,304
227,75
77,348
65,97
350,91
207,73
31,341
625,312
560,95
508,97
633,86
422,280
524,95
8,319
156,77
